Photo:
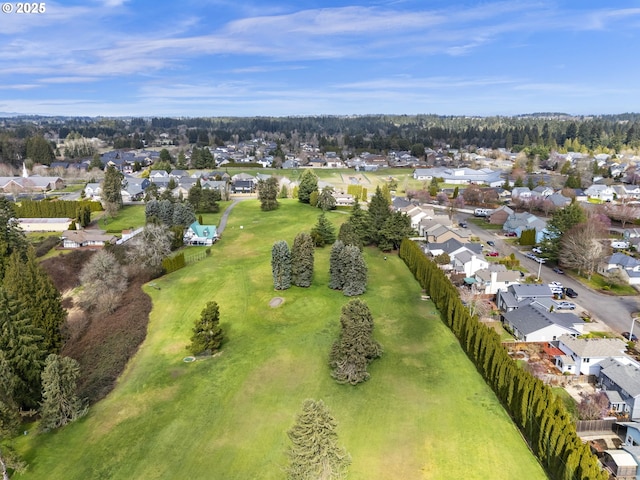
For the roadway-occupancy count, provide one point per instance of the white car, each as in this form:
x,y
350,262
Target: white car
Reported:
x,y
566,305
537,250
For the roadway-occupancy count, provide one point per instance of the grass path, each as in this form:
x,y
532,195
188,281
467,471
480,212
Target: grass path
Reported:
x,y
425,413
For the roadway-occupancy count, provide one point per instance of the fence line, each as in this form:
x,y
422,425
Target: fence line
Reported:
x,y
195,258
595,425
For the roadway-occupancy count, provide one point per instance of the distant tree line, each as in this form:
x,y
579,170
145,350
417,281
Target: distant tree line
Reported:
x,y
534,407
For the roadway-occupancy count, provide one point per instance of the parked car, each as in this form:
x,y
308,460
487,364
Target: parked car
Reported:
x,y
540,260
493,254
566,305
570,292
536,250
491,243
558,270
510,234
633,336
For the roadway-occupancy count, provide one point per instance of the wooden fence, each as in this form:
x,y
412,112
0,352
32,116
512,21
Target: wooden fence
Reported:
x,y
196,257
604,426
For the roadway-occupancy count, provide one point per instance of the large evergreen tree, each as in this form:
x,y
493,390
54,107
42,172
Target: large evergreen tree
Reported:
x,y
281,265
326,200
336,266
308,184
27,283
195,195
268,194
12,238
348,235
21,343
60,402
112,190
354,271
302,254
378,213
207,334
356,347
314,452
395,228
359,222
323,233
40,150
562,220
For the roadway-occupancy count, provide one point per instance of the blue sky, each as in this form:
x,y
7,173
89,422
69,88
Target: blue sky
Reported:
x,y
262,57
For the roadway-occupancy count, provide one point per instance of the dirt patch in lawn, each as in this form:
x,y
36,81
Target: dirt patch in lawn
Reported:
x,y
276,302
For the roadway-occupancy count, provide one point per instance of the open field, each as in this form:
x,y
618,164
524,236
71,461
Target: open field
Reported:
x,y
425,413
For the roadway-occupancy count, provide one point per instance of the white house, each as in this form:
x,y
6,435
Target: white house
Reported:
x,y
468,262
603,193
496,277
583,356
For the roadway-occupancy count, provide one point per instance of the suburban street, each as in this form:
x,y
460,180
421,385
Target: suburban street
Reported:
x,y
613,311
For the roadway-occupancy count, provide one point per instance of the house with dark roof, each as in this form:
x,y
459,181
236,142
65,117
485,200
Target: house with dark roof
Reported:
x,y
620,381
519,222
515,295
535,323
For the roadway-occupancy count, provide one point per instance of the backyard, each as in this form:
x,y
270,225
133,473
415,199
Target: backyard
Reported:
x,y
424,414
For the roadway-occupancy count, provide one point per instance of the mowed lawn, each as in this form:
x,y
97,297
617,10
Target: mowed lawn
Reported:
x,y
424,414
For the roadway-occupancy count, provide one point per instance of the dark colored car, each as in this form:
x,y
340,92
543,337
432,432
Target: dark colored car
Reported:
x,y
633,336
558,270
510,234
570,292
463,224
491,243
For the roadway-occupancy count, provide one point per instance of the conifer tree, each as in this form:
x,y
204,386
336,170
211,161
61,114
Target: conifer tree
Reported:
x,y
336,266
112,190
354,271
378,213
323,233
27,283
314,452
207,334
60,403
308,184
268,194
281,265
302,255
21,343
355,348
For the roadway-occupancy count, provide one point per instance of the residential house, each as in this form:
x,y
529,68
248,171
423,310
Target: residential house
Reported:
x,y
450,247
197,234
416,213
535,323
242,186
86,238
440,233
628,266
541,191
620,380
559,200
429,222
584,356
519,222
522,193
343,199
604,193
515,295
92,191
495,277
468,262
32,183
500,215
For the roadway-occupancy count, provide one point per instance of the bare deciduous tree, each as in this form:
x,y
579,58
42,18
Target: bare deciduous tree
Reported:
x,y
581,247
150,247
103,280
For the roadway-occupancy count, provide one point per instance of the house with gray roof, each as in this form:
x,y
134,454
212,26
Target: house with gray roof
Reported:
x,y
468,262
628,266
589,353
519,222
620,381
534,323
514,295
559,200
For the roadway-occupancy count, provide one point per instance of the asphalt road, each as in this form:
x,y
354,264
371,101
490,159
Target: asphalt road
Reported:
x,y
614,311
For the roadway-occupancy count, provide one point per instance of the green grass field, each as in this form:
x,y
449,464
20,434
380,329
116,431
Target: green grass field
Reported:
x,y
425,413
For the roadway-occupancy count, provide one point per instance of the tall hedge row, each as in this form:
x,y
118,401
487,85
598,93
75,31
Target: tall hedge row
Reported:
x,y
536,410
53,208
